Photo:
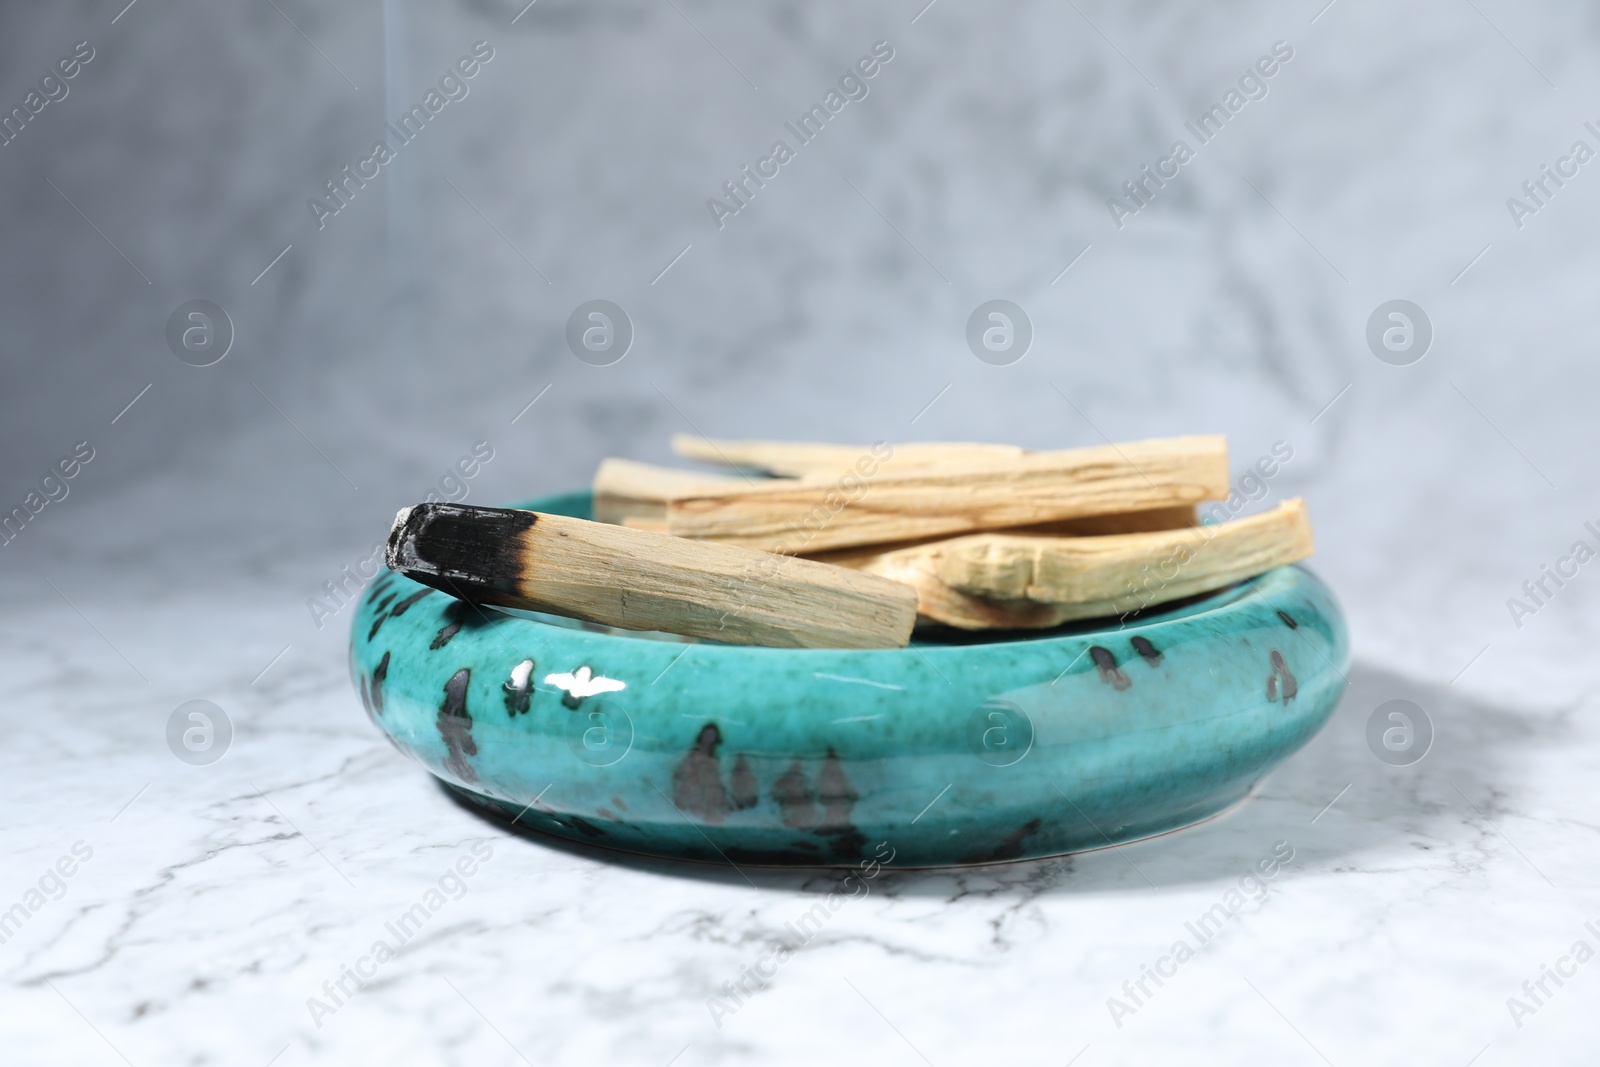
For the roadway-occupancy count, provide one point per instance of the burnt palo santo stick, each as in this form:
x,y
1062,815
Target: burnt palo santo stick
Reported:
x,y
805,516
638,580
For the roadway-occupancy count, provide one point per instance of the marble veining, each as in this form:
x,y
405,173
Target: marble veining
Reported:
x,y
220,900
223,900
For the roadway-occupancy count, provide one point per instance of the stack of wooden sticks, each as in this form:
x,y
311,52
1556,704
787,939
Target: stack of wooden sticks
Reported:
x,y
809,545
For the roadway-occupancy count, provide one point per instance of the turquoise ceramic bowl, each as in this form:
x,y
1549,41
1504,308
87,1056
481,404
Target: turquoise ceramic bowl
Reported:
x,y
952,751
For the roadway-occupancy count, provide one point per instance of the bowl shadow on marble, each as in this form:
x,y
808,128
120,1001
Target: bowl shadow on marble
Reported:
x,y
1424,803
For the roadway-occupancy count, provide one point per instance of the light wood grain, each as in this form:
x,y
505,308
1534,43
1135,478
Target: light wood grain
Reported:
x,y
800,458
1173,518
635,494
625,488
648,481
639,580
647,515
994,580
876,505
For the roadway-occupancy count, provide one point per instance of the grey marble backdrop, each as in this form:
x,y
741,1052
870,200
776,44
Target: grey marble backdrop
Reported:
x,y
370,352
427,313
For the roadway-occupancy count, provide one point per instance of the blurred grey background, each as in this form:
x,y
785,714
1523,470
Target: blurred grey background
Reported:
x,y
373,352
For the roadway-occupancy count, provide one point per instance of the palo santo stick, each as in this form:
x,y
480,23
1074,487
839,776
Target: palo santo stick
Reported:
x,y
627,511
1075,569
646,581
624,488
937,602
797,458
1173,518
813,515
646,481
635,494
639,517
985,581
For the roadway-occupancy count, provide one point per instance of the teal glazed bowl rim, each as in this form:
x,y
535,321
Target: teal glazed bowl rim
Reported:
x,y
958,750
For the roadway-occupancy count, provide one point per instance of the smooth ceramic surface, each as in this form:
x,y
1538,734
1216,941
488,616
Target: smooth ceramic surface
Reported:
x,y
959,752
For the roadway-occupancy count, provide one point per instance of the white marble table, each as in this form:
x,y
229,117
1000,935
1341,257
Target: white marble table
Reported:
x,y
220,902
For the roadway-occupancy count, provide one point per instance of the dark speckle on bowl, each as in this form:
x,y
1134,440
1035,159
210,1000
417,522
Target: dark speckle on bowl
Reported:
x,y
455,727
1107,664
1011,846
742,784
443,637
697,780
375,691
399,608
796,806
1280,670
